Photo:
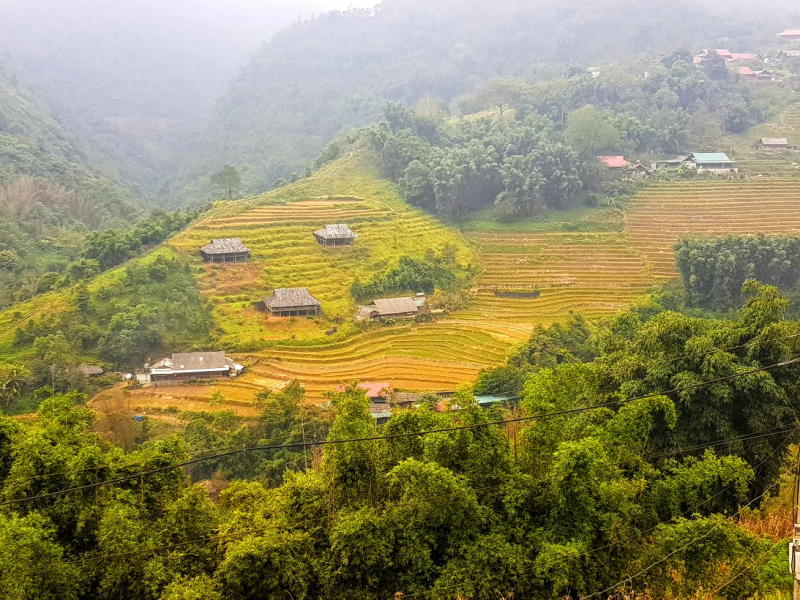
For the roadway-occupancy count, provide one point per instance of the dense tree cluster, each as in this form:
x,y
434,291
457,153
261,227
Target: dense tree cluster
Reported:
x,y
149,306
545,157
114,247
714,269
523,509
410,276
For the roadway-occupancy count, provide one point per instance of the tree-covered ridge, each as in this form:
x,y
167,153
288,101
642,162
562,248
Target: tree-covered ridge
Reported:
x,y
545,156
603,477
714,268
334,72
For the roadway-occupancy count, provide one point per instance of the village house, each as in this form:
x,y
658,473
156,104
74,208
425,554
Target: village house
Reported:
x,y
615,163
746,72
292,302
789,54
774,144
90,370
225,251
674,163
790,34
190,365
714,162
335,235
394,308
642,170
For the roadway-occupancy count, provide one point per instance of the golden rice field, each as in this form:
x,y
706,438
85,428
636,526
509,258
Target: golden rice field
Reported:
x,y
594,273
661,214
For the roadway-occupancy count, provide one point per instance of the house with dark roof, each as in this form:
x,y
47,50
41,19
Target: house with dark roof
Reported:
x,y
615,163
774,144
225,251
292,302
714,162
394,308
335,235
674,163
190,365
90,370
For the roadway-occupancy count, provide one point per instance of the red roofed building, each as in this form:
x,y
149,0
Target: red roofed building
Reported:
x,y
723,53
614,162
742,56
377,391
746,72
790,34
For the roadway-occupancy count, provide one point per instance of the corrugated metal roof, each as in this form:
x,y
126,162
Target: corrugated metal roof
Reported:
x,y
395,306
790,32
614,162
336,232
226,246
774,141
290,298
199,361
742,56
711,157
746,71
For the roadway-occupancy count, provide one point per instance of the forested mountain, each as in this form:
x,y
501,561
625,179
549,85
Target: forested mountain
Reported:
x,y
50,193
136,75
336,71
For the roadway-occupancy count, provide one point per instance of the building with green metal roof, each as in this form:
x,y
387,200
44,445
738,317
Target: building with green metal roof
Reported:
x,y
714,162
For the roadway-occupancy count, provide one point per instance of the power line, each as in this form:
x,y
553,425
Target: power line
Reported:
x,y
683,547
611,544
542,416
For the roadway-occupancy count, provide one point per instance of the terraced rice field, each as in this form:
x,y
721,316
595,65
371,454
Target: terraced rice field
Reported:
x,y
662,214
278,228
753,161
593,273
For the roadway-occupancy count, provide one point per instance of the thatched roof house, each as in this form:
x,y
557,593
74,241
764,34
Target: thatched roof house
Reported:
x,y
335,235
292,302
224,251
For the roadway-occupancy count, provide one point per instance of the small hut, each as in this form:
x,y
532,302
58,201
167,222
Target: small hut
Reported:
x,y
225,251
335,235
394,308
292,302
774,144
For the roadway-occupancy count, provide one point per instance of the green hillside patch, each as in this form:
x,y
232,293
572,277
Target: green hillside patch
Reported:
x,y
147,307
278,228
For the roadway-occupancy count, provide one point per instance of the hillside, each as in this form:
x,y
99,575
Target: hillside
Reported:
x,y
136,76
51,193
336,71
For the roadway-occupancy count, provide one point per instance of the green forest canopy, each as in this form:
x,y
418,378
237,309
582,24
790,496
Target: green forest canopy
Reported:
x,y
452,511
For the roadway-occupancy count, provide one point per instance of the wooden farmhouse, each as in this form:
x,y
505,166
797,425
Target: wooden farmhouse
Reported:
x,y
190,365
225,251
335,235
292,302
394,308
774,144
